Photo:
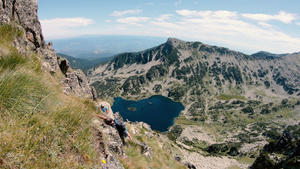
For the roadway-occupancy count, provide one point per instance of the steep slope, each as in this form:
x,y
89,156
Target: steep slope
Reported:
x,y
234,103
283,152
215,68
47,109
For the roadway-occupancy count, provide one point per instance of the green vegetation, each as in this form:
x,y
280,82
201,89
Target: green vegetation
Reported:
x,y
173,58
160,157
229,97
9,32
12,61
40,127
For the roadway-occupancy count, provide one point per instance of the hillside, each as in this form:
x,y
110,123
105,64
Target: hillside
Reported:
x,y
84,64
47,109
234,103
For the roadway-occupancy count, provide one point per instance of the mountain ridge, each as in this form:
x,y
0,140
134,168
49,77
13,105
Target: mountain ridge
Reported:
x,y
166,54
232,101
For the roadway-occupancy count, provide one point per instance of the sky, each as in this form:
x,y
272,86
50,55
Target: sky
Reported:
x,y
247,26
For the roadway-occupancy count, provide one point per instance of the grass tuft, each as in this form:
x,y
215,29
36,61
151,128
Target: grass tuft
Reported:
x,y
9,32
40,127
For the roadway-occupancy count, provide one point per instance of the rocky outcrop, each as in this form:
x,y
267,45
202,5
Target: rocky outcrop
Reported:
x,y
108,143
282,153
23,14
76,82
146,150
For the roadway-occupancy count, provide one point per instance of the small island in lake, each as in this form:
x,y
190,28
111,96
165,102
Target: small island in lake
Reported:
x,y
157,111
131,108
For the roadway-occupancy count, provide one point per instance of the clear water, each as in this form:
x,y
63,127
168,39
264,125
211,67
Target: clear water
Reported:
x,y
157,111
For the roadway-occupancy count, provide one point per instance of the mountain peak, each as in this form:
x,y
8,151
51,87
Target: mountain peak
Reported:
x,y
175,42
267,54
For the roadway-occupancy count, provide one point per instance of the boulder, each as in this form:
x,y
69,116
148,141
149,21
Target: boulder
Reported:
x,y
146,150
178,158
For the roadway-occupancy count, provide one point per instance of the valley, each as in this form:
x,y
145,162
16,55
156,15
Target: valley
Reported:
x,y
234,103
240,111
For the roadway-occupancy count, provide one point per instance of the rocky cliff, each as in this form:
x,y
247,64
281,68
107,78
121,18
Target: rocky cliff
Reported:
x,y
23,14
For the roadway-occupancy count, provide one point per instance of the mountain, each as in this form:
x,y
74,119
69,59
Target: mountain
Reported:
x,y
197,63
48,109
87,47
234,103
262,54
84,64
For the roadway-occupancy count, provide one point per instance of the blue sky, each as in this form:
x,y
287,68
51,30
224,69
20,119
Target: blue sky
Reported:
x,y
248,26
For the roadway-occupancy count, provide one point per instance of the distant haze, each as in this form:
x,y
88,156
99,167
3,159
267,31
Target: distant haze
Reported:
x,y
104,46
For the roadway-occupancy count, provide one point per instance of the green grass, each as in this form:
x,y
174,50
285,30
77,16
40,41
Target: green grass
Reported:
x,y
12,61
9,32
40,127
229,97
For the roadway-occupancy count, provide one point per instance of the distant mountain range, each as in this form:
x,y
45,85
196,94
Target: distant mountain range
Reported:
x,y
88,47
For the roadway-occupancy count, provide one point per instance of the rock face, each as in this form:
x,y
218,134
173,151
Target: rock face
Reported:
x,y
281,153
23,14
111,146
76,82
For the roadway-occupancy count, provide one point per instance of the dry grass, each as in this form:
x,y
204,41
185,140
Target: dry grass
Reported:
x,y
160,158
40,127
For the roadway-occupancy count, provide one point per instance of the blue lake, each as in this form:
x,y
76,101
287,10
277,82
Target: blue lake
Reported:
x,y
157,111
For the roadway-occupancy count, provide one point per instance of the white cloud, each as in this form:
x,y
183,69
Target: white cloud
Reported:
x,y
164,17
207,14
222,28
68,22
282,16
122,13
63,27
133,20
235,32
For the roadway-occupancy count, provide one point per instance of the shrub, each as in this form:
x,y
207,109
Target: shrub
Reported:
x,y
248,110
